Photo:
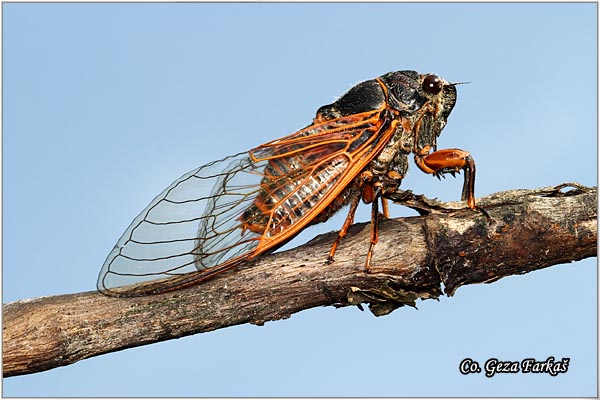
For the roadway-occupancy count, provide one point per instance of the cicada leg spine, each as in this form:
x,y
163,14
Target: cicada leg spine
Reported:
x,y
451,160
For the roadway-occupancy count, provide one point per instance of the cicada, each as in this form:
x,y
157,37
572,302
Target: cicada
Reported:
x,y
222,214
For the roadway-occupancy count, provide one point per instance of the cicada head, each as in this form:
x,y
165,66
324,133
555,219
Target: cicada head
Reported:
x,y
425,100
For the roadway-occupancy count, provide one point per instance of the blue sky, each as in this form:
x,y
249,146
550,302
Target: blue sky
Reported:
x,y
104,105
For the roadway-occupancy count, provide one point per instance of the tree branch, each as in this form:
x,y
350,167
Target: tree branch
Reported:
x,y
416,257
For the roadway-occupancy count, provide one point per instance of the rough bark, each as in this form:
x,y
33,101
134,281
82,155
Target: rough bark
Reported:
x,y
417,257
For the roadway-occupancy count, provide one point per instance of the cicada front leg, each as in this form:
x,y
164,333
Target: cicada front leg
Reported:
x,y
451,160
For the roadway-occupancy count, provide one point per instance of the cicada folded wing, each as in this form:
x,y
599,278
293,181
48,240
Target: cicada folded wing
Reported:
x,y
193,225
217,216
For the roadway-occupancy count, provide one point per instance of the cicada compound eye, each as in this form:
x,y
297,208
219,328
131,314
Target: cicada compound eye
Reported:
x,y
432,84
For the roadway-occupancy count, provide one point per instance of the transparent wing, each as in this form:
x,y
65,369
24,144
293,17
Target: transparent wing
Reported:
x,y
223,213
192,225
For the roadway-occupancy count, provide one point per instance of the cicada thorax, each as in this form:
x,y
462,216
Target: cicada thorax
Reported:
x,y
389,172
421,105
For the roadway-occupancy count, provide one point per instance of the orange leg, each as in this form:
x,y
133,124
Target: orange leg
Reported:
x,y
451,160
370,194
374,225
349,220
385,207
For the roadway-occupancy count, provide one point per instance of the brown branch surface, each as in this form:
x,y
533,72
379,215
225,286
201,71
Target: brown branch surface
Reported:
x,y
416,257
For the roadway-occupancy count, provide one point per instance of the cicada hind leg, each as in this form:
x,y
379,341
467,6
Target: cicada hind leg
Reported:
x,y
349,220
363,189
